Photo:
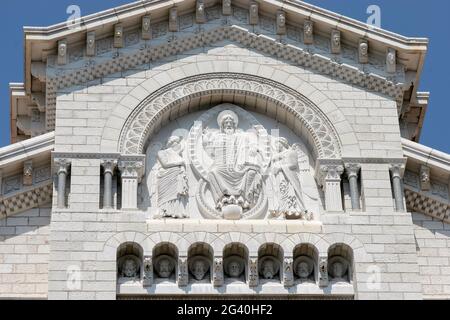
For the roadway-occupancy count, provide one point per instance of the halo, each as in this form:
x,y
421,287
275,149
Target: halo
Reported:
x,y
237,259
161,257
333,260
227,113
197,258
276,264
308,261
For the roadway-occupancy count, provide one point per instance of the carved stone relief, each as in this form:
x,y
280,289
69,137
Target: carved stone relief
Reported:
x,y
338,269
129,268
199,267
304,268
269,268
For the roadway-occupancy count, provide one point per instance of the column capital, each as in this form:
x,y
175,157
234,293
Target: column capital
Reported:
x,y
132,166
352,169
328,170
62,165
109,165
397,170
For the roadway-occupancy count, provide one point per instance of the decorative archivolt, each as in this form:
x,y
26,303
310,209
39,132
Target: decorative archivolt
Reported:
x,y
147,117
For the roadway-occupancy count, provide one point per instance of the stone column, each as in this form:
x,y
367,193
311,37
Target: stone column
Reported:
x,y
147,271
108,168
182,275
217,272
132,170
323,271
330,172
288,272
352,170
396,176
62,169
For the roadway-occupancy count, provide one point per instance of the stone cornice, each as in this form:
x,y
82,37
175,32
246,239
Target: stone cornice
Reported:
x,y
426,155
27,149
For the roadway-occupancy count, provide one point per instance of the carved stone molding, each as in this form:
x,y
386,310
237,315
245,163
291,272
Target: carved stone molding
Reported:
x,y
132,166
61,76
142,122
323,272
253,277
182,272
288,272
147,271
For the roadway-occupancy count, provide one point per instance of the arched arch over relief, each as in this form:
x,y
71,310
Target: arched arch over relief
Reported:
x,y
254,93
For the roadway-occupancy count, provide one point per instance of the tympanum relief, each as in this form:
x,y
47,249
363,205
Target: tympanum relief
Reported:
x,y
228,163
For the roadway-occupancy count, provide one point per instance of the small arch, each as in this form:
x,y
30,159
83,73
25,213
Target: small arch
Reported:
x,y
306,257
270,261
341,263
165,262
200,262
235,262
129,260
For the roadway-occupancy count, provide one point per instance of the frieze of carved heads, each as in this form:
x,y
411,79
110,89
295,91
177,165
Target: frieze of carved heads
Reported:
x,y
304,268
281,22
164,266
338,269
172,184
199,267
308,32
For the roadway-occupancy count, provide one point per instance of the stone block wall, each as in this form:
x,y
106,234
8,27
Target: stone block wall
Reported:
x,y
24,254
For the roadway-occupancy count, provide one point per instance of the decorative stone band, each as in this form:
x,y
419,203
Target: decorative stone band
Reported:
x,y
427,204
146,118
141,52
26,199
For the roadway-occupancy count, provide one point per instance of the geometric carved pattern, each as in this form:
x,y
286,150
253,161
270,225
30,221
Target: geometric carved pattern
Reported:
x,y
418,202
29,199
141,123
236,30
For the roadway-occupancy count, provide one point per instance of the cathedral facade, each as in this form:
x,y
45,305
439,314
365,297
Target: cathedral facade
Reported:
x,y
218,149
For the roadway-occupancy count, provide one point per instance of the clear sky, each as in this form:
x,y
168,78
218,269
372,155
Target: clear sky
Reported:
x,y
418,18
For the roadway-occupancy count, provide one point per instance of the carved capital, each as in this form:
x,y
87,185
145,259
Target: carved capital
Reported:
x,y
147,267
132,167
397,170
352,169
62,166
217,272
182,274
253,277
329,171
109,165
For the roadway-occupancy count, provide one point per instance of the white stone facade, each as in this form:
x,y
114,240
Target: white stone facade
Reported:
x,y
118,229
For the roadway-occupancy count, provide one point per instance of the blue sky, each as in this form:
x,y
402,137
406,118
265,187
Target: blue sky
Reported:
x,y
416,18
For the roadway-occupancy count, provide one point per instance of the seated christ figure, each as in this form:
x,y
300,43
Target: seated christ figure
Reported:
x,y
235,175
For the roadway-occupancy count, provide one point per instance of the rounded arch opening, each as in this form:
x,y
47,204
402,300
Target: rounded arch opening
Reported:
x,y
340,263
129,262
235,259
165,262
306,258
270,259
200,262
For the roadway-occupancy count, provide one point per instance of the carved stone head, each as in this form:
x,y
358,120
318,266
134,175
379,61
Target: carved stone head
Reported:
x,y
363,49
228,122
199,267
164,266
281,19
303,267
62,49
269,267
308,28
336,38
338,268
146,24
174,142
129,269
234,266
281,144
200,6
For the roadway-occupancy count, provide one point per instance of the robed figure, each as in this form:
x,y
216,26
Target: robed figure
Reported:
x,y
288,190
173,189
